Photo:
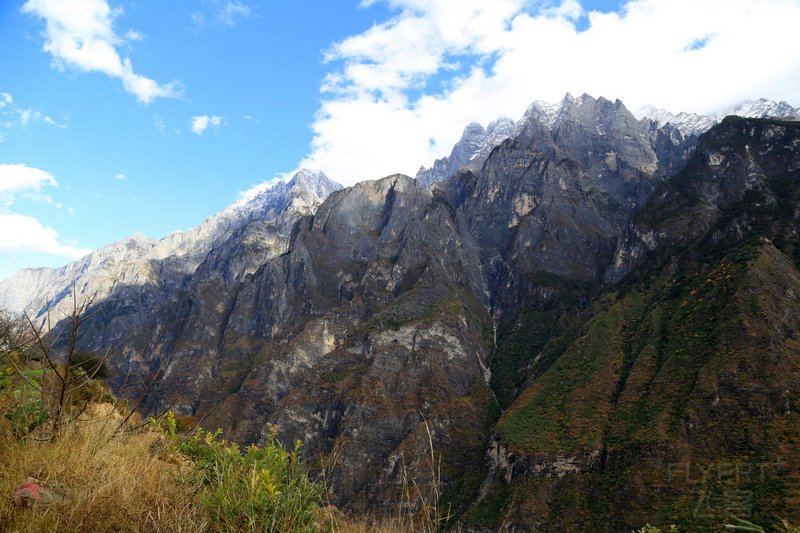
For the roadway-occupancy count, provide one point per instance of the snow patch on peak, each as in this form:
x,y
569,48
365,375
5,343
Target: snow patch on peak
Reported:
x,y
545,112
687,123
694,123
763,108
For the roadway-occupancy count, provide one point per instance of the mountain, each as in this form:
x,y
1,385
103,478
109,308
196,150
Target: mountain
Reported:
x,y
689,362
376,325
562,335
476,142
695,124
470,151
166,263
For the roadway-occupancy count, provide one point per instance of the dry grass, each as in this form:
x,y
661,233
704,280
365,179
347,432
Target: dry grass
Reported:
x,y
123,481
133,480
113,482
347,524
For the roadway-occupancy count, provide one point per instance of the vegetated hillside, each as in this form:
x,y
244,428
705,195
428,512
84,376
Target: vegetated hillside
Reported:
x,y
672,398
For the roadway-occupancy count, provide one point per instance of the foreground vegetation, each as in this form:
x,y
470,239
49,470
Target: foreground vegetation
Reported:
x,y
90,463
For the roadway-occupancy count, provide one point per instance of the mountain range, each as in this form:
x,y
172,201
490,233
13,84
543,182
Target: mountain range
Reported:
x,y
580,312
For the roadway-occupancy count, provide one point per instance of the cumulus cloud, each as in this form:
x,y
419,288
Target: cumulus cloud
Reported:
x,y
23,233
437,65
80,34
16,179
120,177
201,122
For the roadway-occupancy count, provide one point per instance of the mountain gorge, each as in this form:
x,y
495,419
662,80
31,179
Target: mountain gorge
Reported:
x,y
575,311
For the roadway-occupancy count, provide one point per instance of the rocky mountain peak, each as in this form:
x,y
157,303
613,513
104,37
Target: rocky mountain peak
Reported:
x,y
167,261
695,123
471,150
314,182
764,108
544,123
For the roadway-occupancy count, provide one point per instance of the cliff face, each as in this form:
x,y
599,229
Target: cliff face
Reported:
x,y
556,322
373,334
689,364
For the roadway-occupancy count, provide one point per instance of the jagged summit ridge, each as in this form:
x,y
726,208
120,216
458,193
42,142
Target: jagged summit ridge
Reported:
x,y
541,119
137,260
695,123
476,142
471,150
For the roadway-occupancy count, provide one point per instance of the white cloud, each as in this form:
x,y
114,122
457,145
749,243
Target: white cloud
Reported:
x,y
17,178
161,126
15,116
24,233
198,19
227,12
232,11
49,120
80,34
201,122
28,115
120,177
133,35
437,65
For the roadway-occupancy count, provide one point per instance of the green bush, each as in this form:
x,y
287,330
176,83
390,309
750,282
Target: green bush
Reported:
x,y
5,378
258,489
26,414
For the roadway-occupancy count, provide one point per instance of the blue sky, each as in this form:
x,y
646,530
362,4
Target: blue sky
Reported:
x,y
123,116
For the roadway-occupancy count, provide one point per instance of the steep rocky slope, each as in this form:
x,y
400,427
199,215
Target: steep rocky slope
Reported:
x,y
138,262
667,129
377,324
672,398
551,319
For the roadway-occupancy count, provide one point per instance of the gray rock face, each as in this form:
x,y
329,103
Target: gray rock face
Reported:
x,y
360,340
367,327
571,123
555,200
716,178
471,151
169,262
671,135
